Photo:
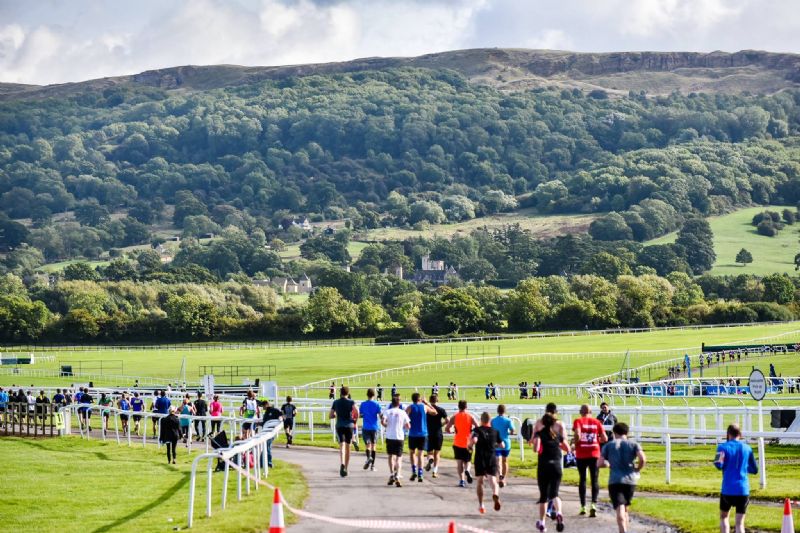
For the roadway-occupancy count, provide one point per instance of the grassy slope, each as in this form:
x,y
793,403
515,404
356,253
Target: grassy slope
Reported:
x,y
733,231
96,486
302,365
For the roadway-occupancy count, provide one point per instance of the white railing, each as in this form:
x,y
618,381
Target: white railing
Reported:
x,y
255,447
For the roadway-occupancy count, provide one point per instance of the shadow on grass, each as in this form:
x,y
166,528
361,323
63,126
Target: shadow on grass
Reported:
x,y
159,500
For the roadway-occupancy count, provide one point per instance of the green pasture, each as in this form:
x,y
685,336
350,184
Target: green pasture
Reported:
x,y
298,366
700,516
68,484
734,231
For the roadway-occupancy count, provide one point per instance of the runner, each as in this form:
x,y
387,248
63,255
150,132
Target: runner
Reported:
x,y
485,440
589,437
200,409
154,409
186,411
137,406
270,413
250,411
332,391
289,412
435,436
504,427
395,420
370,414
549,441
418,434
215,410
619,456
735,459
124,405
86,412
342,411
463,422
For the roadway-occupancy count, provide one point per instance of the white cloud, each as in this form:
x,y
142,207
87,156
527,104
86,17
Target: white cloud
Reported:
x,y
83,39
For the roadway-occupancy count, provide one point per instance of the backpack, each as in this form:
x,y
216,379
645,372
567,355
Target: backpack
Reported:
x,y
527,429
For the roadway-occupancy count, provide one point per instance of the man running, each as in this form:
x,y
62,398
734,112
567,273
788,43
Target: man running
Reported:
x,y
589,437
137,406
735,459
396,421
289,412
619,456
504,427
549,440
435,436
418,434
370,415
485,440
342,411
463,422
124,405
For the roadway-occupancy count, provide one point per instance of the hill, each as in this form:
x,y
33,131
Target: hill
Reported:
x,y
505,68
734,231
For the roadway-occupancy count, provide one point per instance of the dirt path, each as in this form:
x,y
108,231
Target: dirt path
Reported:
x,y
365,494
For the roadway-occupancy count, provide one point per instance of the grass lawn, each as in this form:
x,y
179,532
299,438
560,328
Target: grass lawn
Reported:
x,y
542,226
91,486
733,231
52,268
703,516
297,366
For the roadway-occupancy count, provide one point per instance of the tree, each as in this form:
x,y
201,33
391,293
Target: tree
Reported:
x,y
606,266
91,213
527,308
190,316
79,324
328,314
451,310
80,271
744,257
610,227
778,288
697,240
21,319
12,233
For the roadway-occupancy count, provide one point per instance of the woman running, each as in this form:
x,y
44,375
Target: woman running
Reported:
x,y
548,442
186,410
105,401
124,405
215,410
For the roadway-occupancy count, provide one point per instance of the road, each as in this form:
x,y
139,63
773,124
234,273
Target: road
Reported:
x,y
365,494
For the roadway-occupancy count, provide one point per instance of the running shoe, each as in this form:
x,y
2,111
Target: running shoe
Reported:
x,y
462,484
583,510
342,471
413,477
391,480
435,475
419,478
372,466
397,482
551,510
468,476
593,511
429,465
502,483
496,499
366,465
559,522
355,445
540,526
482,509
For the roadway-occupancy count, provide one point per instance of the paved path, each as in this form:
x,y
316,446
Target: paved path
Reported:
x,y
364,494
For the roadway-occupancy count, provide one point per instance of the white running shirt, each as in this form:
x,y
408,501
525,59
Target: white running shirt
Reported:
x,y
395,419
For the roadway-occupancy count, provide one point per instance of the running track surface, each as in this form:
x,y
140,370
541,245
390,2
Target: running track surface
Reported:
x,y
364,494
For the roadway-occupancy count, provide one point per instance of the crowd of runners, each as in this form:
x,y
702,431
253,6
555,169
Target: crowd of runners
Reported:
x,y
482,443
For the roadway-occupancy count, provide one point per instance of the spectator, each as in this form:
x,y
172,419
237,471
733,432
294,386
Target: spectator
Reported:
x,y
270,414
608,419
215,409
3,403
169,434
200,409
41,404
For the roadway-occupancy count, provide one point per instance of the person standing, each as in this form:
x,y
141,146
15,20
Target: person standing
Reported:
x,y
436,423
485,440
380,392
200,409
505,428
418,434
463,422
332,391
342,411
270,414
589,437
735,459
137,406
396,421
370,416
394,390
619,455
215,410
549,440
608,419
289,411
3,403
169,434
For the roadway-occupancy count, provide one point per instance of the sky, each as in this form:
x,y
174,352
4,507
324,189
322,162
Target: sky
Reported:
x,y
57,41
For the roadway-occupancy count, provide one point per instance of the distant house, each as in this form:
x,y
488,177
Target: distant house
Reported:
x,y
329,230
266,282
207,236
435,272
304,285
174,239
396,271
284,285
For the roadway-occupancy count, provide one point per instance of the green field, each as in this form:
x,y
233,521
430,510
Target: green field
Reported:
x,y
733,231
541,226
68,484
298,366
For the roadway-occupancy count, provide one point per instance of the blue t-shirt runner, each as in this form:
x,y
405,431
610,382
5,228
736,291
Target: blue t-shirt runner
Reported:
x,y
370,412
504,426
137,404
736,460
419,422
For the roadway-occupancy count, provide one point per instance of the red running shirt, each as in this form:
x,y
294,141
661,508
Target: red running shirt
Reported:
x,y
588,446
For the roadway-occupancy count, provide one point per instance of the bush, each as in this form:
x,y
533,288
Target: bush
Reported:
x,y
766,228
725,313
771,312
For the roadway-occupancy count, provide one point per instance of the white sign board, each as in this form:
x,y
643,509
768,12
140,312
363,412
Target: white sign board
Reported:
x,y
208,385
758,385
269,389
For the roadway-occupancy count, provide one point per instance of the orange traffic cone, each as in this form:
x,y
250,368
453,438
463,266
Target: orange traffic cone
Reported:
x,y
788,519
451,528
276,524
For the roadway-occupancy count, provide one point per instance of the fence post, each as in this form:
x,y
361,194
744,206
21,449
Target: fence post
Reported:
x,y
668,462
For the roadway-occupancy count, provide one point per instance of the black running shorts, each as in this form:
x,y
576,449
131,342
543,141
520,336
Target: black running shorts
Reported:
x,y
435,441
417,443
394,447
370,436
548,477
344,435
621,494
738,502
483,468
288,423
462,454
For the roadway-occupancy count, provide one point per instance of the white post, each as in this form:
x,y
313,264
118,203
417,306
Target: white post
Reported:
x,y
668,463
208,488
225,485
762,459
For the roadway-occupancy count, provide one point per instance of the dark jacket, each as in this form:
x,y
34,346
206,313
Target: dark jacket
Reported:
x,y
170,429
